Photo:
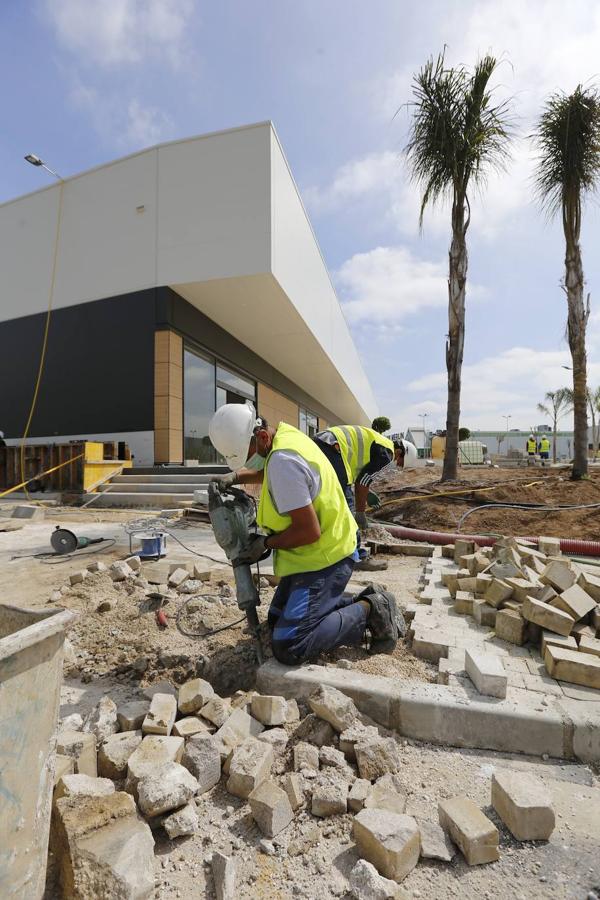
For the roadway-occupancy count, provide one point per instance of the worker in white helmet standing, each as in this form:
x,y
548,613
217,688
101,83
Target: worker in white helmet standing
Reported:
x,y
311,532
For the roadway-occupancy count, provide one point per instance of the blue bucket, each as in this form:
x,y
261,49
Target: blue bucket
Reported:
x,y
154,545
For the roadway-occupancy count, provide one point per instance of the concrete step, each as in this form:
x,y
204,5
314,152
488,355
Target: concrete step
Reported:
x,y
146,487
195,480
138,499
209,469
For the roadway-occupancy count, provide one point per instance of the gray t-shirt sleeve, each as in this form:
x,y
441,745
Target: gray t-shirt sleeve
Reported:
x,y
292,482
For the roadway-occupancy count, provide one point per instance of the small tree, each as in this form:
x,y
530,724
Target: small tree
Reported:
x,y
381,424
464,434
557,405
456,135
568,138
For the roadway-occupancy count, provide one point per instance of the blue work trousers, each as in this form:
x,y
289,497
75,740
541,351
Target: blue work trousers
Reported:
x,y
309,613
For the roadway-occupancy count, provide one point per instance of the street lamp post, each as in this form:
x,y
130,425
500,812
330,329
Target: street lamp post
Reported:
x,y
506,430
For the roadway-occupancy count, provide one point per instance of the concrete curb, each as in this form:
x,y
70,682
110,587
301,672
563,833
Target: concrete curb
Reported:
x,y
439,714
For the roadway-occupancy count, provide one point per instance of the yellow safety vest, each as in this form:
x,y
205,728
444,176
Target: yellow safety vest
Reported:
x,y
530,446
355,446
338,528
544,445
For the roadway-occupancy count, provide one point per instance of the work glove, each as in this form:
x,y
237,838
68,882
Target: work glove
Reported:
x,y
255,551
225,481
361,520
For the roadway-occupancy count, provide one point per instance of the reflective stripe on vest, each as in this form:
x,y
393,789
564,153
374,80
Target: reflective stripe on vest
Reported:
x,y
338,528
355,446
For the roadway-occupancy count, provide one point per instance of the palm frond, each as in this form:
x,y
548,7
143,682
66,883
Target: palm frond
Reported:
x,y
457,133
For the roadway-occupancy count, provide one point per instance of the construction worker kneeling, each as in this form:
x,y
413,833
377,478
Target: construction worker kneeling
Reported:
x,y
312,534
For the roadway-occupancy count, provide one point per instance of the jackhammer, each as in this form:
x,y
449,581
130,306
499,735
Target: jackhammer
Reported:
x,y
233,518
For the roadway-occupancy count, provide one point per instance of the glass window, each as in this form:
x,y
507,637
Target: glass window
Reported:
x,y
308,422
236,384
198,406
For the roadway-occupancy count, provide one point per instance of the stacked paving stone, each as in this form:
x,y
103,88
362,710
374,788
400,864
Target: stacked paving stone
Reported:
x,y
124,772
527,596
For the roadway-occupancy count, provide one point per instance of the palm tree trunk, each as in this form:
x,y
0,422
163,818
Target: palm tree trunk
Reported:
x,y
457,278
576,327
594,432
554,430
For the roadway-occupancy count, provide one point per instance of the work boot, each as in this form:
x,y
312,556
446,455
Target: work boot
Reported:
x,y
382,619
370,565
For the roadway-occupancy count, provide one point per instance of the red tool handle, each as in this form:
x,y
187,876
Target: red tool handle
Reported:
x,y
161,618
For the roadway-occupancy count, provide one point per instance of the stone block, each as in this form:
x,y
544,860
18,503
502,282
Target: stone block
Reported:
x,y
102,720
435,843
589,645
483,582
236,729
575,602
81,748
522,588
468,584
200,573
177,577
193,695
359,791
63,765
134,563
114,754
511,626
83,786
356,734
521,801
546,616
473,833
165,788
549,545
306,756
202,758
468,561
487,673
102,848
448,551
77,577
573,666
559,575
378,757
463,548
512,604
595,619
580,629
315,731
329,798
293,713
334,707
366,883
389,793
390,841
269,710
250,765
431,645
217,711
591,584
484,614
188,726
224,875
182,822
151,753
502,570
463,603
292,785
270,807
558,640
131,715
161,715
96,567
119,571
277,737
33,513
497,592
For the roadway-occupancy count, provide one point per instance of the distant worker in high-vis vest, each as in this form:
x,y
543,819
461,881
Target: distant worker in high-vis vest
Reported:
x,y
311,532
544,449
531,447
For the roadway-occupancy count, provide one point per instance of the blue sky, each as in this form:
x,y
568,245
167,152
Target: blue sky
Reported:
x,y
87,81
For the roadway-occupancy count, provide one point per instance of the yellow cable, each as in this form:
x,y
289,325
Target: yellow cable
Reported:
x,y
41,475
44,342
411,498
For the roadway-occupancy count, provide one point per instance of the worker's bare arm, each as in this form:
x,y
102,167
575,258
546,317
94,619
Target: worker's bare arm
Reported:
x,y
361,493
305,529
249,476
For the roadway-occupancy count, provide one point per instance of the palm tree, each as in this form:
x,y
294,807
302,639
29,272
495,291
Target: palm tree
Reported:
x,y
568,138
456,136
557,405
593,402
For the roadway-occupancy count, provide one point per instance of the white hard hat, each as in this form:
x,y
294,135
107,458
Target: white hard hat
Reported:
x,y
230,430
410,452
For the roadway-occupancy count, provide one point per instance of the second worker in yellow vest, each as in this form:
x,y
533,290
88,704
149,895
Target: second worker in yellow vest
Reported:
x,y
311,532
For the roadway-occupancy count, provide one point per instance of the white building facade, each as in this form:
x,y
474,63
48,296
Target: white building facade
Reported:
x,y
186,275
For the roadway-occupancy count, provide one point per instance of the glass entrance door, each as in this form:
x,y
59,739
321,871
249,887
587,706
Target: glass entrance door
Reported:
x,y
199,386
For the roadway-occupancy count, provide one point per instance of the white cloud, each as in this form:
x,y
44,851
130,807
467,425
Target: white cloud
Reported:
x,y
128,125
511,383
116,32
386,285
